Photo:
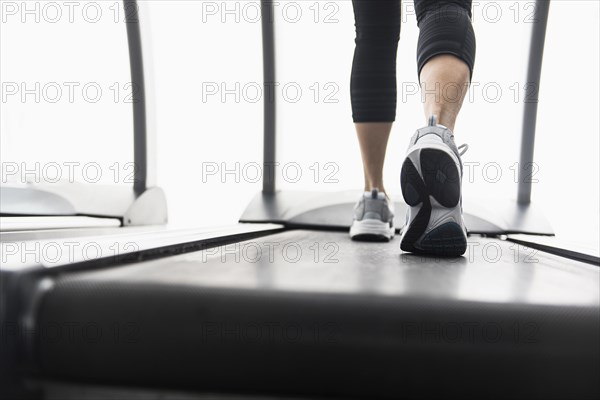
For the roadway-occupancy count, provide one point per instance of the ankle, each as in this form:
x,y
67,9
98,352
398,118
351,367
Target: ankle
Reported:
x,y
380,188
443,119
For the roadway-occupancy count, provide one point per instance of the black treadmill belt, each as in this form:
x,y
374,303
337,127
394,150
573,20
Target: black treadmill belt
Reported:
x,y
312,313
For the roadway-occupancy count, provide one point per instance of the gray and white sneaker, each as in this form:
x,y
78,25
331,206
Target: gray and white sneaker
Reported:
x,y
373,218
431,181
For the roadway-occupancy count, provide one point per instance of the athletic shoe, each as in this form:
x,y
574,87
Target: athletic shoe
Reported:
x,y
373,218
431,180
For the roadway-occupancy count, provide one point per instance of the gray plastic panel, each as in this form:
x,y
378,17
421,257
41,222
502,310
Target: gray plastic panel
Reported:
x,y
333,210
10,225
112,201
29,259
56,249
33,201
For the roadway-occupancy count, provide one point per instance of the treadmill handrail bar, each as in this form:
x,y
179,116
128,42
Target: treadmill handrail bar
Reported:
x,y
268,53
532,87
136,64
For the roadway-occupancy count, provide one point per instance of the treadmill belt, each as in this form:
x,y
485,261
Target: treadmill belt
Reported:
x,y
311,313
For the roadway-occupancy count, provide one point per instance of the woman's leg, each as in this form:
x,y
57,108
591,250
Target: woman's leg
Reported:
x,y
445,80
373,82
373,139
445,56
431,175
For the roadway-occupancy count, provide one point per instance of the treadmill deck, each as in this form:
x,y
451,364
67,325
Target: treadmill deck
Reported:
x,y
301,312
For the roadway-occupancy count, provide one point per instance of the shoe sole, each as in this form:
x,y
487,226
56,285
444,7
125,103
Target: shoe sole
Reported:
x,y
371,231
432,189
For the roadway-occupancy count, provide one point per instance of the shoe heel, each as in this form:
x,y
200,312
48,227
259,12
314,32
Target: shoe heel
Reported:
x,y
414,193
440,179
413,187
441,175
446,240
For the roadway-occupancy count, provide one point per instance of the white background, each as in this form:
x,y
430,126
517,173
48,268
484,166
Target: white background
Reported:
x,y
198,46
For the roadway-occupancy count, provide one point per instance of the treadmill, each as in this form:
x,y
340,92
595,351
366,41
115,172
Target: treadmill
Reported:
x,y
283,304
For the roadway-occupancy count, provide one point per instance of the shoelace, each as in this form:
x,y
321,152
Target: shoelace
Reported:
x,y
463,146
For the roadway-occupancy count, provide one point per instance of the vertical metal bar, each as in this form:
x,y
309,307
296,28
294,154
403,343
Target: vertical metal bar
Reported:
x,y
136,64
532,87
268,49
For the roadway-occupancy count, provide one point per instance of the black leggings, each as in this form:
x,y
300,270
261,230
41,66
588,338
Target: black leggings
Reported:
x,y
444,28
